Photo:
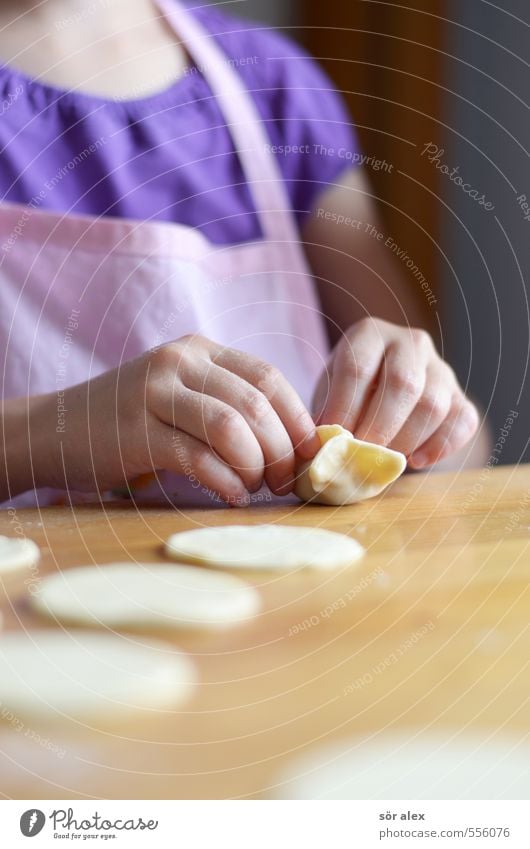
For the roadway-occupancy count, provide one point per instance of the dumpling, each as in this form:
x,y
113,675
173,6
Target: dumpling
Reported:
x,y
346,469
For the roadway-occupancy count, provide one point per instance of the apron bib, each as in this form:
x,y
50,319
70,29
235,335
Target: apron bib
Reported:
x,y
81,294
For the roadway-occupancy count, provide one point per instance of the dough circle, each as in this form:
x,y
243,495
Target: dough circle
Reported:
x,y
85,674
130,594
17,553
286,547
347,470
395,767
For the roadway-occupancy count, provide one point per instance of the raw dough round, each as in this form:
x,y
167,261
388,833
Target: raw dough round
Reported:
x,y
394,767
265,547
85,674
347,470
17,553
146,594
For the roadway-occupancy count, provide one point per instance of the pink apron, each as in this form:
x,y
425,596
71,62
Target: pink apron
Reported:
x,y
80,294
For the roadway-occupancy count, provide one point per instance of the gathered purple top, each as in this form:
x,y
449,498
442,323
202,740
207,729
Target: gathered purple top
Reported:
x,y
169,156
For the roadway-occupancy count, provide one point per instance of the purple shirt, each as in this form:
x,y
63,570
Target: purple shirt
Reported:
x,y
169,156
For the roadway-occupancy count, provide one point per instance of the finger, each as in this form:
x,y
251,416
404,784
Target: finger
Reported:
x,y
181,453
264,422
320,394
458,428
400,385
222,428
356,364
283,399
430,411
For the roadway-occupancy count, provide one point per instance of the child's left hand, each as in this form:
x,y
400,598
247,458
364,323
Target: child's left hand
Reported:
x,y
387,384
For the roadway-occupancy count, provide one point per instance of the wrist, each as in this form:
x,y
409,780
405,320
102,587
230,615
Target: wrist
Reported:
x,y
15,470
43,429
26,450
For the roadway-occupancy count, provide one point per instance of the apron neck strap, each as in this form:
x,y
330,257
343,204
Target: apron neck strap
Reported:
x,y
243,121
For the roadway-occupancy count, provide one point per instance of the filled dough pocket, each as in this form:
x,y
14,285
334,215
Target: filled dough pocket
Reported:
x,y
346,470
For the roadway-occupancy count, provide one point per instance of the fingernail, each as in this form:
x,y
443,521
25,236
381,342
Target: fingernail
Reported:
x,y
309,447
418,460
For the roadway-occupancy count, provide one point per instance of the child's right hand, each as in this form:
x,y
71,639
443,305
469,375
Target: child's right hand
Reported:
x,y
191,407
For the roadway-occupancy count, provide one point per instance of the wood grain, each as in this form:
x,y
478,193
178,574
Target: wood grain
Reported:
x,y
430,630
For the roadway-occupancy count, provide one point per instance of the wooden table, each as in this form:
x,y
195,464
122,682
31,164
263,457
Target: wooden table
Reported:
x,y
429,631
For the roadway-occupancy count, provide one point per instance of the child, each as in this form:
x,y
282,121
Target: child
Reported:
x,y
169,176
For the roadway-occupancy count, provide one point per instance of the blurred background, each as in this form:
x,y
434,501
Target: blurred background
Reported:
x,y
453,75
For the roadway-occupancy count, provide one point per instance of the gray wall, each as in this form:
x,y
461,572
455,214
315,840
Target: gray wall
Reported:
x,y
487,268
276,12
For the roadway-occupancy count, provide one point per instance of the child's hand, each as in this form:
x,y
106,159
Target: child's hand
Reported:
x,y
388,385
191,407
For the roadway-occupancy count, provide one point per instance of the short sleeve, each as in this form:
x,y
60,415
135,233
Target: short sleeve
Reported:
x,y
310,128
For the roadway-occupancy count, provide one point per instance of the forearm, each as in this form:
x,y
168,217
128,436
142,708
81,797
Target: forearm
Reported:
x,y
356,272
25,448
366,283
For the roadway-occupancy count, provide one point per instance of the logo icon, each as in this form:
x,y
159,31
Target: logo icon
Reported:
x,y
32,822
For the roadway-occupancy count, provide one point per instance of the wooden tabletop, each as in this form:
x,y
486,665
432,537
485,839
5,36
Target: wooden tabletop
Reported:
x,y
430,630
